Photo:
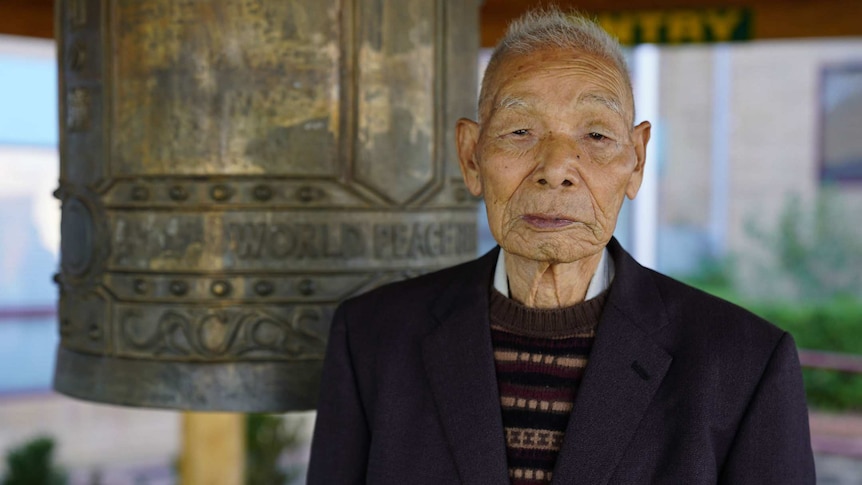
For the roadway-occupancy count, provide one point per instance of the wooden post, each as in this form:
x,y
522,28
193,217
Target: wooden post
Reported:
x,y
213,451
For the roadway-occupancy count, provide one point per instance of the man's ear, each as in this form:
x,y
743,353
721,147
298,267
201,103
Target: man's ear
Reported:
x,y
640,138
467,138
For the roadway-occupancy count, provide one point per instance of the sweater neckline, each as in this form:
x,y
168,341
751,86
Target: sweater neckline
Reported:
x,y
514,317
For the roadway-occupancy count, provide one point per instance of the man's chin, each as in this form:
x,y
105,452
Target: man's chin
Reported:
x,y
552,254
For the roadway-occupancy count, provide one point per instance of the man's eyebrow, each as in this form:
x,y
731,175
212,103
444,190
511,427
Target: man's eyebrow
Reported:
x,y
511,102
611,103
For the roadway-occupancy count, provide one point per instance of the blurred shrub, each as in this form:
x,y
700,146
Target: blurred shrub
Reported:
x,y
817,251
832,325
832,390
33,464
268,438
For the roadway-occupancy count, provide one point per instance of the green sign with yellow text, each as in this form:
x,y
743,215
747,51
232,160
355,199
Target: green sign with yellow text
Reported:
x,y
679,26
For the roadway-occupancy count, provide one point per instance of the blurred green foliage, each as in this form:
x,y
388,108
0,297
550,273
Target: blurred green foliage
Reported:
x,y
33,464
268,438
817,250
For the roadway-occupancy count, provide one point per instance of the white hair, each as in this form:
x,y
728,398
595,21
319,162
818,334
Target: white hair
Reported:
x,y
552,28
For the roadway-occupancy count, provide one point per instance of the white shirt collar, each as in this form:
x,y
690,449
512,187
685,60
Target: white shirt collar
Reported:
x,y
600,281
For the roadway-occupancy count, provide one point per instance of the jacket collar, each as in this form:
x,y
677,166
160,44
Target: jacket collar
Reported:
x,y
625,369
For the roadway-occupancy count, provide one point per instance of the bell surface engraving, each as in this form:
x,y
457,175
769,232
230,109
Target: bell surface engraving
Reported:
x,y
232,169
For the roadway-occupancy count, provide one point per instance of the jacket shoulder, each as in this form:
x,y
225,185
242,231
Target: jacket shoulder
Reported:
x,y
682,296
716,323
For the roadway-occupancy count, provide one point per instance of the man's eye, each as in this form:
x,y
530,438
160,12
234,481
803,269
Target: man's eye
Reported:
x,y
521,132
597,136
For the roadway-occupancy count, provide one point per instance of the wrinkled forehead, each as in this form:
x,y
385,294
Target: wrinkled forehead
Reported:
x,y
611,86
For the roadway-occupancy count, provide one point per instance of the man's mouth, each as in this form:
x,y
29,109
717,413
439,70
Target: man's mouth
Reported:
x,y
547,221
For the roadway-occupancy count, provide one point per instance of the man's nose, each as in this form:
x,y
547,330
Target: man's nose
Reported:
x,y
559,160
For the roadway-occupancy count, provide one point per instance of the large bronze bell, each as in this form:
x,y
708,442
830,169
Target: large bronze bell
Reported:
x,y
231,169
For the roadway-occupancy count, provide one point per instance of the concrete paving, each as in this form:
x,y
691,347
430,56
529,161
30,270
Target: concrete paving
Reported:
x,y
837,443
838,470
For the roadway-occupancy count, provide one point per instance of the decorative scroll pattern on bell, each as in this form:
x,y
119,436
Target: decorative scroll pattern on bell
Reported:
x,y
231,169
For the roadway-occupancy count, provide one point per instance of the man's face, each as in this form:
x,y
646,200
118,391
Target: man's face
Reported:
x,y
554,155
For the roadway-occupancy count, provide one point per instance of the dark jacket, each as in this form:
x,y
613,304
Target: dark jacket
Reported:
x,y
681,388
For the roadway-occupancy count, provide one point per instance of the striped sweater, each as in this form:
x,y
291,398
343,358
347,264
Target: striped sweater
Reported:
x,y
540,356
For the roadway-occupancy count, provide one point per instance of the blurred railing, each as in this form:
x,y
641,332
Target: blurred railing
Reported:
x,y
817,359
27,313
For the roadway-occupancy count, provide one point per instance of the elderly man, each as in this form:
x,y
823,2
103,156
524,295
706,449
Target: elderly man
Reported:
x,y
556,358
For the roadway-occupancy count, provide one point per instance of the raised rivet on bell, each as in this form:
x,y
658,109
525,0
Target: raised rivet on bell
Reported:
x,y
140,286
140,193
461,195
306,287
65,327
95,332
308,194
178,288
220,193
262,192
264,288
220,288
178,192
57,278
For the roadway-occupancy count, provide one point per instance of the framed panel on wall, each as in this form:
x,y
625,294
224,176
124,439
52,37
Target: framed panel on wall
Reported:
x,y
841,123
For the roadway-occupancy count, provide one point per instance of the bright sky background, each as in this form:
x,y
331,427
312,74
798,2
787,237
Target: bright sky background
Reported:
x,y
28,92
29,214
29,165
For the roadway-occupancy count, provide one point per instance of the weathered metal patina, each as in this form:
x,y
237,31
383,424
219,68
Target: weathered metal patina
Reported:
x,y
231,169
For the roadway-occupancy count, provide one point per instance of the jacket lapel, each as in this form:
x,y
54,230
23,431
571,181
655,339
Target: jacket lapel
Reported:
x,y
625,369
459,362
